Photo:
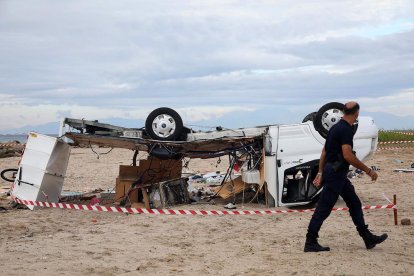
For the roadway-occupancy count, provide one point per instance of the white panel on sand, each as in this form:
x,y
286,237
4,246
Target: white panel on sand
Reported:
x,y
42,169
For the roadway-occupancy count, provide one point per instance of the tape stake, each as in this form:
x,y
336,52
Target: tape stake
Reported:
x,y
395,211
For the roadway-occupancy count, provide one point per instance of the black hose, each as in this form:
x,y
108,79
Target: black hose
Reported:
x,y
232,161
4,172
134,158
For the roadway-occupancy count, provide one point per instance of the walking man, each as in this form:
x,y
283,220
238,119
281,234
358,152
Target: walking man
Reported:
x,y
336,157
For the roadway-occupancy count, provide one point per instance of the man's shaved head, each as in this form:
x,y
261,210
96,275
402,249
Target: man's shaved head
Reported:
x,y
351,108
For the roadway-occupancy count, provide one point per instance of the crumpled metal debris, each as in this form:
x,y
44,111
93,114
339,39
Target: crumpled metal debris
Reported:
x,y
357,173
230,206
351,174
375,168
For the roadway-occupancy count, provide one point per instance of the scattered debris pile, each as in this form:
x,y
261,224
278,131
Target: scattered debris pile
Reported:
x,y
404,170
359,173
11,149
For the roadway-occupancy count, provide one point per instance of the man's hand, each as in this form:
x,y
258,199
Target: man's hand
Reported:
x,y
318,180
373,175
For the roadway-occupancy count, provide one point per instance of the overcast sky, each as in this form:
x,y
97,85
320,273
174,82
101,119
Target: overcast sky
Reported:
x,y
233,63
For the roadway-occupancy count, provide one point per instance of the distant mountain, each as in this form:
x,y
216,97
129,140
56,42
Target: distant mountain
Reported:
x,y
49,128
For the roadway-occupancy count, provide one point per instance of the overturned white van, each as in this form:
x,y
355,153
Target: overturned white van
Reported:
x,y
286,155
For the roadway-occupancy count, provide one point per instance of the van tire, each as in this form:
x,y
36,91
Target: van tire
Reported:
x,y
164,124
309,117
327,116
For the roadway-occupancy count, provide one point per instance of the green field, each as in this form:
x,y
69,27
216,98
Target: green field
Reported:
x,y
385,136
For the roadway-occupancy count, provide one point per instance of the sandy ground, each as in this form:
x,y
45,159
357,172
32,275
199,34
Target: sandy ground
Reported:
x,y
66,242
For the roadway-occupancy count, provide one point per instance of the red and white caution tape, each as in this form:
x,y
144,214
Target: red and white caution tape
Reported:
x,y
395,142
393,148
399,132
115,209
11,145
405,133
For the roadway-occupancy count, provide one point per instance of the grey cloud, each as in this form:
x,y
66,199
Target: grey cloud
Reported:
x,y
215,52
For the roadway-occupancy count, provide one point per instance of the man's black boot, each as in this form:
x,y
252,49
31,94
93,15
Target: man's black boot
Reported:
x,y
370,239
312,245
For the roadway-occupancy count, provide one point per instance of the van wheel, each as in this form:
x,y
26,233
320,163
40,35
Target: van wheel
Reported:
x,y
164,124
309,117
327,116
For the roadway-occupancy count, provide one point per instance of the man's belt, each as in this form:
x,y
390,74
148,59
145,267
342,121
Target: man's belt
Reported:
x,y
339,166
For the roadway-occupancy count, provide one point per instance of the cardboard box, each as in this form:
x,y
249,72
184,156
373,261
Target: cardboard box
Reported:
x,y
152,170
121,189
148,172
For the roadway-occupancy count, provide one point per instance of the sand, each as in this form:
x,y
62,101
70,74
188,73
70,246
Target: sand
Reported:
x,y
69,242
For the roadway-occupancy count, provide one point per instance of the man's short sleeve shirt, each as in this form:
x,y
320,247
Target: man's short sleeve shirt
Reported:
x,y
340,134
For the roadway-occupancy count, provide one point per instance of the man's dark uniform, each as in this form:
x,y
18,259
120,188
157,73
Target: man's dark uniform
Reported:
x,y
336,182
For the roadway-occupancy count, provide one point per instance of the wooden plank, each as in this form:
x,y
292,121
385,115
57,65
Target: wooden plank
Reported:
x,y
138,205
145,198
230,188
262,172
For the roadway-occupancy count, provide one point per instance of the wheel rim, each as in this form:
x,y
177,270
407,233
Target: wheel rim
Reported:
x,y
330,117
163,125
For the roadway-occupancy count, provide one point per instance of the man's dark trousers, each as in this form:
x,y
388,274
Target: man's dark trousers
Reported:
x,y
336,184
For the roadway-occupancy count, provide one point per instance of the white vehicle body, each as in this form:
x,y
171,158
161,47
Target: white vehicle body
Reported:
x,y
292,161
292,151
292,154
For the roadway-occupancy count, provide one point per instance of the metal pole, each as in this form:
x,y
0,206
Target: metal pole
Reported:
x,y
395,211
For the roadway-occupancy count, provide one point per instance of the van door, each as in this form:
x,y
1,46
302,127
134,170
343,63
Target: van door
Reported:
x,y
298,154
